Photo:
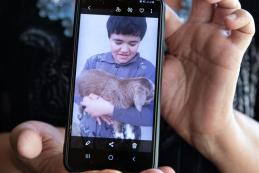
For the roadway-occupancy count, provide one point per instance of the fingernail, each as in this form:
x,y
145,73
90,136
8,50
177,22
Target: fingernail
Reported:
x,y
29,144
225,33
152,171
232,17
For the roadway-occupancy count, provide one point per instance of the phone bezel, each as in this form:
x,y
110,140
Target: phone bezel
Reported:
x,y
160,53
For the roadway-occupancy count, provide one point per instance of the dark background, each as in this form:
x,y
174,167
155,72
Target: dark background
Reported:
x,y
35,66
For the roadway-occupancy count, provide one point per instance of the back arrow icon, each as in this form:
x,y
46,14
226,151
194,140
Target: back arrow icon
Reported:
x,y
89,7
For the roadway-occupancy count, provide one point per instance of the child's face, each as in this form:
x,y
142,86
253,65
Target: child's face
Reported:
x,y
124,47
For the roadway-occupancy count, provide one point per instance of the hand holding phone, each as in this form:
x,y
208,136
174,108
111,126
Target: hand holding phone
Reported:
x,y
115,89
42,153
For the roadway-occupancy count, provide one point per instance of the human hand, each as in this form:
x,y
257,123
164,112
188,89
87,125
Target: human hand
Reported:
x,y
104,118
96,106
37,147
201,70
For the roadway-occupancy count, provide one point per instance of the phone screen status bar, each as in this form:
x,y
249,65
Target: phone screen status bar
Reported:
x,y
122,10
129,9
146,1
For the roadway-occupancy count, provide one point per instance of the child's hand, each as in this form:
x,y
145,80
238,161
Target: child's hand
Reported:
x,y
96,106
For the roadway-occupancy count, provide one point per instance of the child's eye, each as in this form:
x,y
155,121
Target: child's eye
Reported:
x,y
118,42
133,43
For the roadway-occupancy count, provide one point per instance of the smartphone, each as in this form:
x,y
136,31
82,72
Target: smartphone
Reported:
x,y
114,105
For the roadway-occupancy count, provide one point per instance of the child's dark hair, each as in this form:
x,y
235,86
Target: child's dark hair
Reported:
x,y
125,25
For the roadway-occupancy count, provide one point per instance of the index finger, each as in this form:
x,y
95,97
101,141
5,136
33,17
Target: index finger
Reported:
x,y
93,96
227,4
172,22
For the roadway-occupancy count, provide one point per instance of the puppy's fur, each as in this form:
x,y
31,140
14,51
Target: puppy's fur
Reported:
x,y
122,93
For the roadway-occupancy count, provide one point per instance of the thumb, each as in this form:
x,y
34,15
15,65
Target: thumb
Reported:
x,y
164,169
27,143
242,26
38,147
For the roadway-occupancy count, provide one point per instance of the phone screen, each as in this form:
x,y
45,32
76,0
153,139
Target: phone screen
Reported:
x,y
114,105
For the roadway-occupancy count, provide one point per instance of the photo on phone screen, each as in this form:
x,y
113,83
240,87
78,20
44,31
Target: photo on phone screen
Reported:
x,y
116,63
115,90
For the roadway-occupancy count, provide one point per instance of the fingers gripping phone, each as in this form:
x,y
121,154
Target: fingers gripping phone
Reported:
x,y
115,89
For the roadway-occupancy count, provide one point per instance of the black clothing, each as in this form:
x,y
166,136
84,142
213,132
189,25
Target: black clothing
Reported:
x,y
35,69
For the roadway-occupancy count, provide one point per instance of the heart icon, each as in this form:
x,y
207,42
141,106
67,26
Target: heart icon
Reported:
x,y
141,10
